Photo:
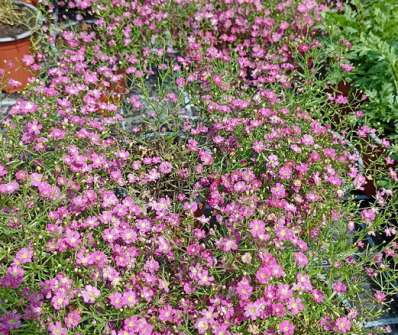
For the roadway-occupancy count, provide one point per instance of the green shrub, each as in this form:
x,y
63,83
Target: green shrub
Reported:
x,y
372,29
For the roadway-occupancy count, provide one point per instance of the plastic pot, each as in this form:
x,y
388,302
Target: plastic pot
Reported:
x,y
62,13
12,51
5,106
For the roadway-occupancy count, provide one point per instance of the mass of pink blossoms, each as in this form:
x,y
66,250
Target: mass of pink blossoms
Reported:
x,y
218,224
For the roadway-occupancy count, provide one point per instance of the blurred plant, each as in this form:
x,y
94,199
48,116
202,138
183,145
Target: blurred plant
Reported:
x,y
11,14
371,27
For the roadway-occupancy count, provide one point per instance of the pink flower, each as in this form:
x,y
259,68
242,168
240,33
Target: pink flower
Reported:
x,y
295,305
339,287
346,67
166,313
343,325
23,256
278,309
286,327
257,228
359,114
368,215
9,188
204,278
3,170
109,199
326,323
28,60
202,325
33,128
285,172
90,294
263,274
240,187
72,319
307,140
253,310
284,292
14,83
300,259
334,180
138,325
379,296
9,321
13,277
318,296
116,300
163,245
244,289
278,191
227,244
60,300
180,82
151,265
57,134
206,157
72,238
57,329
341,100
258,146
221,330
48,191
303,282
303,48
129,298
165,167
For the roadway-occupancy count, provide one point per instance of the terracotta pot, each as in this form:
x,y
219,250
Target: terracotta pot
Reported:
x,y
116,92
12,51
32,2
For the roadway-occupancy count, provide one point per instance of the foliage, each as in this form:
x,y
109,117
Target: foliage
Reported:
x,y
11,14
371,27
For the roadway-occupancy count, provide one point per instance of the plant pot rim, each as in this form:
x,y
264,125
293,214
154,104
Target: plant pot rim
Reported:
x,y
8,102
25,34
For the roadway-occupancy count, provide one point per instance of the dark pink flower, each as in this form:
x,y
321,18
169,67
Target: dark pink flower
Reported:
x,y
10,321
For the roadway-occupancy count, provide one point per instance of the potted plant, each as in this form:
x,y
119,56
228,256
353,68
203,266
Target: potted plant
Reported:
x,y
17,21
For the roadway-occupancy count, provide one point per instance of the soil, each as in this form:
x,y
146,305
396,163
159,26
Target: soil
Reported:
x,y
28,19
11,31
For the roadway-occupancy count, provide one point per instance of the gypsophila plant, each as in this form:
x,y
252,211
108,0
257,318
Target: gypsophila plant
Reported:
x,y
169,173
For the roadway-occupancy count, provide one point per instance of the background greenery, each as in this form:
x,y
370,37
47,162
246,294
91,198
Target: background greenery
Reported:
x,y
371,26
